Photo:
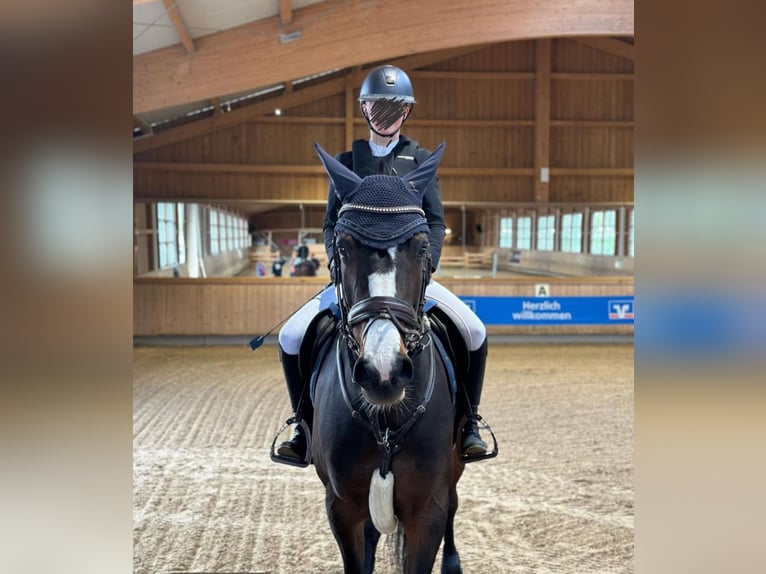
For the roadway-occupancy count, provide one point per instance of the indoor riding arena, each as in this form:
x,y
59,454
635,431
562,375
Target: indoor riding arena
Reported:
x,y
535,104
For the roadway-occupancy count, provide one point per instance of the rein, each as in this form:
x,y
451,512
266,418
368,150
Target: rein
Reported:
x,y
390,441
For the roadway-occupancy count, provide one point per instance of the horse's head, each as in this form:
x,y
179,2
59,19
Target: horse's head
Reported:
x,y
383,264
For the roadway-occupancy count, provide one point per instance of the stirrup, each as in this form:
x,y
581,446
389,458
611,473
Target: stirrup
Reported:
x,y
481,425
276,457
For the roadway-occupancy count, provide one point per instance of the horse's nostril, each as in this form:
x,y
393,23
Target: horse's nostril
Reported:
x,y
408,368
359,371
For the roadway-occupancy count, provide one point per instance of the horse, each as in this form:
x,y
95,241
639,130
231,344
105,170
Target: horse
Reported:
x,y
383,437
305,267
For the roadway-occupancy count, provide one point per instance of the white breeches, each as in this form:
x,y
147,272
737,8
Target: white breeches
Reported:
x,y
465,319
470,326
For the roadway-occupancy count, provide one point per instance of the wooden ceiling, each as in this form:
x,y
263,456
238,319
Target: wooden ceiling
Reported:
x,y
341,34
340,39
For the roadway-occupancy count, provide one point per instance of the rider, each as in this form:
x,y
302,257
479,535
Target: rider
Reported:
x,y
386,101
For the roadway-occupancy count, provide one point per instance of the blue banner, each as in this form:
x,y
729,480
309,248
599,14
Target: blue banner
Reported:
x,y
611,310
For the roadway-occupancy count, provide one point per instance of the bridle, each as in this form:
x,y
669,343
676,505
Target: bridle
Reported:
x,y
408,320
413,327
411,323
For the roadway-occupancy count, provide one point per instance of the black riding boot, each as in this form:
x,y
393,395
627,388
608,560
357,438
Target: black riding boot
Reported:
x,y
472,443
299,399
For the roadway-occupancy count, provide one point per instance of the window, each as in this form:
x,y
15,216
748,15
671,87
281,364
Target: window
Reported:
x,y
506,232
524,233
222,232
545,232
181,233
632,230
214,231
229,232
602,233
167,234
571,233
233,231
242,233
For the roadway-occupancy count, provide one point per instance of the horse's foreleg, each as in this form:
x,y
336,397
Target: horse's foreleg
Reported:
x,y
371,537
348,528
424,534
450,557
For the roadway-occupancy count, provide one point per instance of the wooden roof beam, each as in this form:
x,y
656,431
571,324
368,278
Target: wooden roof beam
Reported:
x,y
285,12
178,23
542,120
240,115
289,99
255,56
610,46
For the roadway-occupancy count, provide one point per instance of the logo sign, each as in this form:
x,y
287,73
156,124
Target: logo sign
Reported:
x,y
542,290
550,310
621,309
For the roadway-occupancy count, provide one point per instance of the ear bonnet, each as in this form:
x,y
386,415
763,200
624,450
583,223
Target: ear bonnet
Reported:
x,y
381,211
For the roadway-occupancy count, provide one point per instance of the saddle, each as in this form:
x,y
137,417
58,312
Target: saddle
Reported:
x,y
316,343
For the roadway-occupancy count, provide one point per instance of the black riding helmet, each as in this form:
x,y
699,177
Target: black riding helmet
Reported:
x,y
390,91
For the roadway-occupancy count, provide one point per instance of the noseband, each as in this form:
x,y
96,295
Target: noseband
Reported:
x,y
399,312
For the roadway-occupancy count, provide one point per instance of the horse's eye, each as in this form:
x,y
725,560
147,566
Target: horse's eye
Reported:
x,y
342,251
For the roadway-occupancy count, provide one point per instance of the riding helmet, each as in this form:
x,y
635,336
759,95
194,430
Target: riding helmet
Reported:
x,y
387,83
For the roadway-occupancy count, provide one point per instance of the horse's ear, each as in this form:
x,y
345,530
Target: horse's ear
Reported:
x,y
422,176
344,180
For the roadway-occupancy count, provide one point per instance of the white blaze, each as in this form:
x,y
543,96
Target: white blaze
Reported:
x,y
382,342
384,284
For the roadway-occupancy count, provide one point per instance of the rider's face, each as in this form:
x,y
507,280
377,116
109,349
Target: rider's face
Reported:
x,y
386,116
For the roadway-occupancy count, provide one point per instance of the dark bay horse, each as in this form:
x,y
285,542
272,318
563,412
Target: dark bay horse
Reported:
x,y
306,268
384,416
305,265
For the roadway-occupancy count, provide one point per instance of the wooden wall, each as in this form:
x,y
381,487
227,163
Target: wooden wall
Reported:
x,y
245,306
483,104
